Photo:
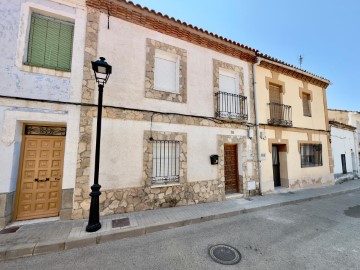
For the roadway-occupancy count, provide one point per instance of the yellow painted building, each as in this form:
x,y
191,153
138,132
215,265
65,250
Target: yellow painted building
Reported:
x,y
293,131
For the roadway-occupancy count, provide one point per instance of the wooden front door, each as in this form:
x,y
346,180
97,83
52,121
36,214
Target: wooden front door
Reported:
x,y
39,190
231,169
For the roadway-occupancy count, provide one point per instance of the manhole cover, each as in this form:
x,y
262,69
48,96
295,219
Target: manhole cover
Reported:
x,y
121,222
225,254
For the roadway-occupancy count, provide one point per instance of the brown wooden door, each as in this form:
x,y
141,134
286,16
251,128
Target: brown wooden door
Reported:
x,y
39,193
231,169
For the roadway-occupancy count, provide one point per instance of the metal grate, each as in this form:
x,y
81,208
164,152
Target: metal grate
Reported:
x,y
9,230
311,155
45,130
165,161
231,106
280,114
121,222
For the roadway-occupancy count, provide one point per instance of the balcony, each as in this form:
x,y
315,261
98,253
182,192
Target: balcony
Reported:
x,y
280,115
231,106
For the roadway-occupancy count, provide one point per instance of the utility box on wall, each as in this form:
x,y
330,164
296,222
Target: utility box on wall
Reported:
x,y
251,185
214,159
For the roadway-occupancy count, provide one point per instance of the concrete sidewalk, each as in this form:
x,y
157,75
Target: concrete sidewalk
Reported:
x,y
54,236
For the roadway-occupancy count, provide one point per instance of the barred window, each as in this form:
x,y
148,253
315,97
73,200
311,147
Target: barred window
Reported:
x,y
165,161
311,155
50,43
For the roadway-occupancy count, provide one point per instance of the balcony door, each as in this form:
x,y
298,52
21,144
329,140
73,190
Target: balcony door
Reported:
x,y
275,97
229,105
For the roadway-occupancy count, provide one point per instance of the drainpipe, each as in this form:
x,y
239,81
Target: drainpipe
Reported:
x,y
258,60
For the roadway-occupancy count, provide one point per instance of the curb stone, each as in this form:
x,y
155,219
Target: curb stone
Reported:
x,y
30,249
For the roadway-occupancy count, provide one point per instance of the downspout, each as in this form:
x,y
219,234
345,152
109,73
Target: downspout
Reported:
x,y
258,60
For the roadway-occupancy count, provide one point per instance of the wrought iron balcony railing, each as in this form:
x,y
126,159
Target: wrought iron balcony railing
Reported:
x,y
231,106
280,114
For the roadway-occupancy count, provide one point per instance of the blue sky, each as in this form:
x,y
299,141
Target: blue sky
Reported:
x,y
325,32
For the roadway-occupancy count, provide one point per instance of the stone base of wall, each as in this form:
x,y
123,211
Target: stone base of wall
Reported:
x,y
310,182
147,198
66,203
6,208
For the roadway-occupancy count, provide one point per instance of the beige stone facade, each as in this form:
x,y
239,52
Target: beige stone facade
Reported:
x,y
295,129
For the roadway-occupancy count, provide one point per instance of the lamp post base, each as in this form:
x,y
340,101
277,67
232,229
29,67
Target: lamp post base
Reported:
x,y
94,220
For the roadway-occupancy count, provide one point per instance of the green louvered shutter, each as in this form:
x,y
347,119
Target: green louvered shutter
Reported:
x,y
65,46
50,43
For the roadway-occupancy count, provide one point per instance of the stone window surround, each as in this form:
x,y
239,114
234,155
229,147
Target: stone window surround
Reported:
x,y
274,80
150,91
148,152
239,140
217,65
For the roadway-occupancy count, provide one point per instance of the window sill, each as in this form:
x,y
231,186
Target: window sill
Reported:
x,y
165,185
166,91
45,71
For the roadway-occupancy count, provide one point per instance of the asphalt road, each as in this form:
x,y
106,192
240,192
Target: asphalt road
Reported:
x,y
318,234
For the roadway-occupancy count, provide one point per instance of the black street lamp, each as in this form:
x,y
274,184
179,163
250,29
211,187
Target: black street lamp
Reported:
x,y
102,71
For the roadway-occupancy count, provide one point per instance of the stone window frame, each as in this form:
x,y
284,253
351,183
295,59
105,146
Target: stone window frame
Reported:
x,y
220,65
148,153
150,91
217,65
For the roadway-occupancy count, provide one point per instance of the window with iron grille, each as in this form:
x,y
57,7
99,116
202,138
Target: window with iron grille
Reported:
x,y
311,155
50,43
306,104
165,161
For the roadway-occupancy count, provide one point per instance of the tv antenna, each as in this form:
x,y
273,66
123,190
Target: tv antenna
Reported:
x,y
301,59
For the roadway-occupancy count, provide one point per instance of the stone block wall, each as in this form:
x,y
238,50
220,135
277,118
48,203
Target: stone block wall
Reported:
x,y
7,201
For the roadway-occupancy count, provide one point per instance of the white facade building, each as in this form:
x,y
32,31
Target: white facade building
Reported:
x,y
351,119
38,95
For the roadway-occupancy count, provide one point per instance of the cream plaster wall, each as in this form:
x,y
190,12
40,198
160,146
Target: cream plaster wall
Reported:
x,y
292,98
127,54
121,162
13,114
342,142
293,161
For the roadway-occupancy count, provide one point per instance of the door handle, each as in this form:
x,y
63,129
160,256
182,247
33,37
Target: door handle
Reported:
x,y
57,178
41,180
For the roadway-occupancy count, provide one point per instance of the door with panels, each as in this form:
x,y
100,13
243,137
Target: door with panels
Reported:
x,y
40,178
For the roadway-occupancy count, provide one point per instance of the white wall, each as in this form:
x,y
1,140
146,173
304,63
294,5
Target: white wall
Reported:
x,y
40,83
121,161
342,142
13,114
127,54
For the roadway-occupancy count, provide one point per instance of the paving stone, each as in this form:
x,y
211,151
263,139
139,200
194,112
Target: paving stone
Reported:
x,y
20,250
48,247
120,234
80,242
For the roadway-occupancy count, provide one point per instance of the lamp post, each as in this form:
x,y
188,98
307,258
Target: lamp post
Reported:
x,y
102,71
